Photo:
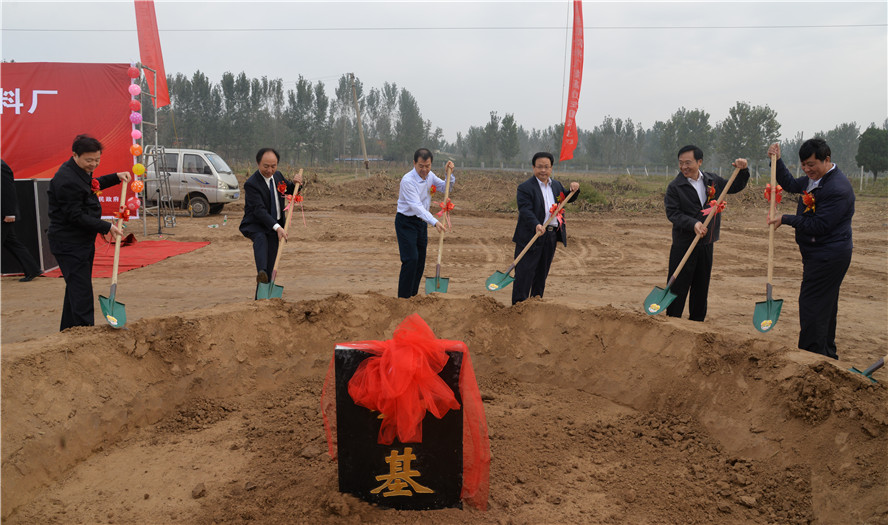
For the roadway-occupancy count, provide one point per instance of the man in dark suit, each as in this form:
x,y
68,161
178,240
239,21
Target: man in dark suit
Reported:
x,y
686,198
537,198
9,239
822,225
263,221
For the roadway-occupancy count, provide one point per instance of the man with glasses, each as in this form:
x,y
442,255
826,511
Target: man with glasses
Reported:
x,y
75,217
537,198
686,198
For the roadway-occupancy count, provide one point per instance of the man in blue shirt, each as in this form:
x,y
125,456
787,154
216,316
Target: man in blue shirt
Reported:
x,y
414,198
822,225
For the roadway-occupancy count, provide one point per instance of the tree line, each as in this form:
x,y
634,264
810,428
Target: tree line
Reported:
x,y
309,125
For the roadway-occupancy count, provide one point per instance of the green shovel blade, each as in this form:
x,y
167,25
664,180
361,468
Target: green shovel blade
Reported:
x,y
114,312
437,284
765,315
658,300
269,291
498,281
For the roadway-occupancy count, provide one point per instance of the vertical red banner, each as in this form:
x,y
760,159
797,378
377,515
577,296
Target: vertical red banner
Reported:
x,y
149,50
570,138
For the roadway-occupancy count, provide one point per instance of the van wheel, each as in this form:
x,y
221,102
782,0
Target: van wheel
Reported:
x,y
200,207
216,208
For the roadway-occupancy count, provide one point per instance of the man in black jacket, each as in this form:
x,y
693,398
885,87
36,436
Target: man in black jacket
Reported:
x,y
75,217
537,198
686,198
10,213
263,221
822,225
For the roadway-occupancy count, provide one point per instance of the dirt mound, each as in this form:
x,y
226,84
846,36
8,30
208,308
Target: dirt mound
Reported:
x,y
596,415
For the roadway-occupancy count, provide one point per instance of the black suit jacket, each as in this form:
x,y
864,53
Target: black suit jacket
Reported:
x,y
7,193
256,216
75,213
683,207
532,210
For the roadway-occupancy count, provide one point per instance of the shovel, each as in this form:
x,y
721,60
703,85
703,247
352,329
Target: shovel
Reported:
x,y
868,373
502,279
115,312
438,283
660,298
270,290
765,315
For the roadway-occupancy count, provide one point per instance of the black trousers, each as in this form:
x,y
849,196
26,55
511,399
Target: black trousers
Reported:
x,y
533,269
265,248
413,240
18,250
693,280
819,302
76,262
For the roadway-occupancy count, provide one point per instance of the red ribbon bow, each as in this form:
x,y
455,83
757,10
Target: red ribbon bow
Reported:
x,y
560,217
94,184
779,196
446,208
808,199
291,199
718,207
123,214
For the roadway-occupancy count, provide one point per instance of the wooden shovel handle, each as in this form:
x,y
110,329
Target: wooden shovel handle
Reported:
x,y
447,173
537,234
277,258
706,222
119,237
773,210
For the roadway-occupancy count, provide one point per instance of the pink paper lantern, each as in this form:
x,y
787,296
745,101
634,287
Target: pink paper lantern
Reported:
x,y
135,117
133,72
134,90
136,134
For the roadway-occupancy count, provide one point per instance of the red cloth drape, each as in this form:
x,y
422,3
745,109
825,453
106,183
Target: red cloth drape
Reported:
x,y
400,380
149,50
569,139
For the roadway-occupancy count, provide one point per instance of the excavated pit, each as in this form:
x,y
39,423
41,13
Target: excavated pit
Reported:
x,y
596,415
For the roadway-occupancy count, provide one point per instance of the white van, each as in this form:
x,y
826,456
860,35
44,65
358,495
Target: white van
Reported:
x,y
198,178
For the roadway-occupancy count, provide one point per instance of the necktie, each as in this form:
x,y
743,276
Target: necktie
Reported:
x,y
272,204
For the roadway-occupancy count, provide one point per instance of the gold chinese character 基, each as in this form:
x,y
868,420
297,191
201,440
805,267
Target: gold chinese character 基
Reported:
x,y
400,476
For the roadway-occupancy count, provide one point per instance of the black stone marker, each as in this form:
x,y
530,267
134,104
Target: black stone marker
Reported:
x,y
410,476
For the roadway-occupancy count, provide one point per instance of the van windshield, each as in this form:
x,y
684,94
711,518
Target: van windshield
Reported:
x,y
218,163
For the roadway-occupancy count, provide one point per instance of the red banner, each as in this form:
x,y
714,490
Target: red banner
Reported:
x,y
149,50
569,139
45,105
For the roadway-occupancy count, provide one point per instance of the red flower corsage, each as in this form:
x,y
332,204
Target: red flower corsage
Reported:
x,y
282,188
808,199
433,189
95,187
560,197
710,192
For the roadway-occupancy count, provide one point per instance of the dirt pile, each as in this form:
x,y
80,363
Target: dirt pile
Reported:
x,y
596,415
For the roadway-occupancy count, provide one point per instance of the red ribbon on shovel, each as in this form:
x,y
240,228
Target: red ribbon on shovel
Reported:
x,y
715,206
560,215
446,208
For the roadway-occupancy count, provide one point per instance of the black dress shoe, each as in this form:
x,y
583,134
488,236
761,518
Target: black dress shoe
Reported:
x,y
262,277
28,278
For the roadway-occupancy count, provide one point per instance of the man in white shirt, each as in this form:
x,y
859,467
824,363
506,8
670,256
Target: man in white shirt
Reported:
x,y
414,198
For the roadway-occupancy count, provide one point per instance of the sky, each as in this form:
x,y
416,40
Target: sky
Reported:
x,y
817,64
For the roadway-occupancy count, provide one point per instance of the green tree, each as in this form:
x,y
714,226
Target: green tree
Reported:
x,y
872,150
410,130
509,145
683,128
746,132
491,130
843,140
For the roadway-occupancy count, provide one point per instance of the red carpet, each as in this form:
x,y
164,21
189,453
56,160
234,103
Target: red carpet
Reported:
x,y
133,255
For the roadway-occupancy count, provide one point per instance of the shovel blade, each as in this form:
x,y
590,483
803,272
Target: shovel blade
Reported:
x,y
269,291
437,284
658,300
765,315
498,281
114,312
